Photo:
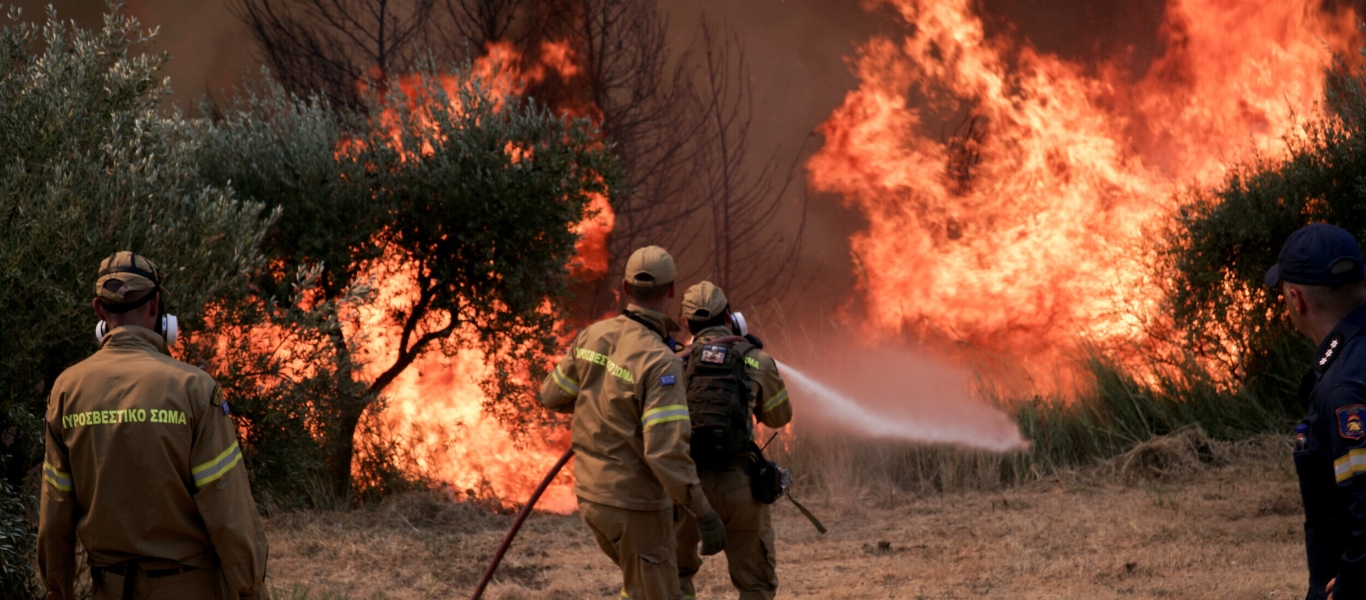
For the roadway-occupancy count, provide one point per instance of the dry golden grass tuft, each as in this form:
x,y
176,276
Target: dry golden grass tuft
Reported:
x,y
1177,517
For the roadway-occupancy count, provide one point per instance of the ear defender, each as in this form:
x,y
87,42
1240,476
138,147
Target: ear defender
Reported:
x,y
169,327
741,328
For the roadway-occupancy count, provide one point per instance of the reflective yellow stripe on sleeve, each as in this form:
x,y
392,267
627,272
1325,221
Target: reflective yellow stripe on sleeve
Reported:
x,y
210,471
664,414
569,386
58,479
777,399
1352,463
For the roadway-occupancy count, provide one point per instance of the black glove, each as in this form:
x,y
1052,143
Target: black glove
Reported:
x,y
713,533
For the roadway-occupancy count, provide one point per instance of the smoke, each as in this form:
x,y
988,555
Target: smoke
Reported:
x,y
896,395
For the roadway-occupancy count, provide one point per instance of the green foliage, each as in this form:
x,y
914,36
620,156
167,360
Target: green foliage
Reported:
x,y
17,537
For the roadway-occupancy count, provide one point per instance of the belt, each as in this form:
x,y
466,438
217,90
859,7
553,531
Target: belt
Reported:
x,y
122,571
128,572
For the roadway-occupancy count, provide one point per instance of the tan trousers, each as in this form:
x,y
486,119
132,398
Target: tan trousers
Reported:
x,y
641,543
207,584
749,537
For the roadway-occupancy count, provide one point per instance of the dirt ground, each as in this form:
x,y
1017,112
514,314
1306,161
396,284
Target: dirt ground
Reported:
x,y
1227,528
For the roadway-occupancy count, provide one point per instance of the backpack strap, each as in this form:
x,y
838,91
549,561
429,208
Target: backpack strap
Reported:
x,y
668,339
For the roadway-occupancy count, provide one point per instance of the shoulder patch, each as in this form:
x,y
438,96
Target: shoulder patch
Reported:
x,y
714,354
218,400
1352,421
668,380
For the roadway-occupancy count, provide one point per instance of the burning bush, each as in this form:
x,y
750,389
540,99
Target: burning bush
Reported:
x,y
437,219
1226,236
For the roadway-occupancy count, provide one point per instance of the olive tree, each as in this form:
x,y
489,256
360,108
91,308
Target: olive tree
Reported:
x,y
90,166
462,197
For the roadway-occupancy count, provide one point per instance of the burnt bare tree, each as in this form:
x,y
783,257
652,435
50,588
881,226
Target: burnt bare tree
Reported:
x,y
334,46
469,25
751,257
642,94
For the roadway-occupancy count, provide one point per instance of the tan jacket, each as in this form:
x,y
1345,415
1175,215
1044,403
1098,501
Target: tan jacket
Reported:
x,y
142,463
769,393
625,389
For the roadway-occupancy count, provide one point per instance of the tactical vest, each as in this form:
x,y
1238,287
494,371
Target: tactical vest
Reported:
x,y
718,403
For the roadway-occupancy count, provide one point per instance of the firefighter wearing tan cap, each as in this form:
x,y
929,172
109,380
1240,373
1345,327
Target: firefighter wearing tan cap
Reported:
x,y
729,387
142,463
624,386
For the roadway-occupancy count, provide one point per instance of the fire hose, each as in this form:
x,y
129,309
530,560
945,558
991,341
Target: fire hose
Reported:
x,y
517,524
555,470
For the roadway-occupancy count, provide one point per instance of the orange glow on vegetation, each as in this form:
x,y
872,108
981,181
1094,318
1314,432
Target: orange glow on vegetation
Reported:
x,y
1018,229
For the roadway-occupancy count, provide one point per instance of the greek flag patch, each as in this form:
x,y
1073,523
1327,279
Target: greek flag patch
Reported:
x,y
667,380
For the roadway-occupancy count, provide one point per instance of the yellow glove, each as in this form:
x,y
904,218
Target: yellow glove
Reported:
x,y
713,533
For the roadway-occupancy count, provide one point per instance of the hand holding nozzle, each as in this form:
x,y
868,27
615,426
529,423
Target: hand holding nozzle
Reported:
x,y
713,533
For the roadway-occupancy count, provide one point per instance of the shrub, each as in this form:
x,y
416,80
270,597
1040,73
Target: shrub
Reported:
x,y
1225,237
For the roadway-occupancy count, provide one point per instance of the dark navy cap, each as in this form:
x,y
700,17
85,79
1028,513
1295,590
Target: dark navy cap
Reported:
x,y
1318,254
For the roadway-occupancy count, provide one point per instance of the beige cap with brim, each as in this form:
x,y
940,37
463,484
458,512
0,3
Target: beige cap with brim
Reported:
x,y
650,267
124,274
703,302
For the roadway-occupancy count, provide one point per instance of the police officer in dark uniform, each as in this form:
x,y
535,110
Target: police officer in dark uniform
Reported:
x,y
1320,273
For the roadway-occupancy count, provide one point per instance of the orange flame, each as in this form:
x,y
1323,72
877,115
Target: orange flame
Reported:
x,y
1023,232
435,410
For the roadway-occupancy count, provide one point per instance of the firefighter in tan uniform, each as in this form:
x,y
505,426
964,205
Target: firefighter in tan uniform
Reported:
x,y
142,464
749,526
624,386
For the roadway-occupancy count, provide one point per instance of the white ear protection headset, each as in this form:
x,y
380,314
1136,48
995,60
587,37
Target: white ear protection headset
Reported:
x,y
166,324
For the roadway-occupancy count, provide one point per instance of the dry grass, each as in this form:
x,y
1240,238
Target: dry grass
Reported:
x,y
1178,517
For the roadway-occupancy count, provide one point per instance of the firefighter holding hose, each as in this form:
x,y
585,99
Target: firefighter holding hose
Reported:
x,y
730,386
625,388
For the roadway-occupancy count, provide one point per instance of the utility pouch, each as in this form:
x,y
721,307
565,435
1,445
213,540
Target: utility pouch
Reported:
x,y
765,480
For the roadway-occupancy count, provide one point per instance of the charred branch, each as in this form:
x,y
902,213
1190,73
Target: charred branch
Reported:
x,y
335,46
964,151
752,253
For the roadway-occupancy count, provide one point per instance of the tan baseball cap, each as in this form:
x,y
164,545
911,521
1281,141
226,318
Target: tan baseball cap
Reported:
x,y
703,301
650,267
123,274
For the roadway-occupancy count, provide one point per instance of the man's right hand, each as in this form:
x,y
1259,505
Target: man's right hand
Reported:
x,y
713,533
